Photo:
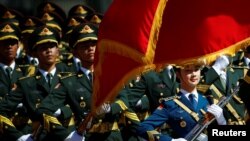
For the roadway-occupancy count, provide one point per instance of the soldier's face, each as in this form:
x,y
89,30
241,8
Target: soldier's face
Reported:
x,y
189,77
8,49
47,53
85,51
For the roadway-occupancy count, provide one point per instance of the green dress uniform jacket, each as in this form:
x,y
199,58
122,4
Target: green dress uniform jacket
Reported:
x,y
235,113
244,94
34,92
155,85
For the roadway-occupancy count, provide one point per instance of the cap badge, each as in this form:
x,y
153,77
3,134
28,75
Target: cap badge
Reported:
x,y
8,15
7,28
86,29
80,10
95,19
45,32
47,17
73,22
29,22
48,8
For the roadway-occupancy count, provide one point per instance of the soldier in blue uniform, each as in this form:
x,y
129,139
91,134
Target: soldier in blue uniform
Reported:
x,y
183,111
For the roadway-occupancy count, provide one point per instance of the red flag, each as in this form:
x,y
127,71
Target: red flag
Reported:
x,y
136,34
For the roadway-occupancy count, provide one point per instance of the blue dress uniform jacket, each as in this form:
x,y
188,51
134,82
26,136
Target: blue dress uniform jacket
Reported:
x,y
180,121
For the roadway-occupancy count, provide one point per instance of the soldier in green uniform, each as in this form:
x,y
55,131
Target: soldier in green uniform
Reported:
x,y
241,61
15,17
10,72
26,58
69,57
37,94
244,94
222,79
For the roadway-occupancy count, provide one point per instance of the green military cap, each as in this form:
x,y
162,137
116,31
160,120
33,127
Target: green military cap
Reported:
x,y
52,19
51,7
80,10
44,34
95,18
29,23
82,33
9,31
73,22
11,15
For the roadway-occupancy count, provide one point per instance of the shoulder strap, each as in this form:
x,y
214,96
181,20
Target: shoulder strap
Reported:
x,y
184,107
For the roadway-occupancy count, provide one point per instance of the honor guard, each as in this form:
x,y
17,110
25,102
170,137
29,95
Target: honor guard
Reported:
x,y
181,112
222,80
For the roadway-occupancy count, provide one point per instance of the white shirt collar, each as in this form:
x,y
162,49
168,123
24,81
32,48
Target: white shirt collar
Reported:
x,y
11,65
85,71
186,94
44,73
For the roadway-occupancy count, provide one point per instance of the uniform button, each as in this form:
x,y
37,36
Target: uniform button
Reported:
x,y
100,120
129,122
81,98
16,114
6,127
53,126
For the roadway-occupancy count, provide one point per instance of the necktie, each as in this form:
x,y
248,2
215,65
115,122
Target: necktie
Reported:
x,y
79,65
192,100
90,77
223,80
8,71
49,78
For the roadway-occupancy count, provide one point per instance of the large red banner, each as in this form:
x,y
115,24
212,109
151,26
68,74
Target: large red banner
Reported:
x,y
137,34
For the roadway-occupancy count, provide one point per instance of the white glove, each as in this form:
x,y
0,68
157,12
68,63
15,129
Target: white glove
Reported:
x,y
105,108
221,63
202,137
57,113
217,111
73,136
25,138
179,139
138,104
20,105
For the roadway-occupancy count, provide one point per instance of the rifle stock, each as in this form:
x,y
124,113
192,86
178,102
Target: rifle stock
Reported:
x,y
85,124
208,118
37,132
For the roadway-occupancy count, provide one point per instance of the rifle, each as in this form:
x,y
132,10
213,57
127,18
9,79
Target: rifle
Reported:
x,y
85,124
37,132
203,123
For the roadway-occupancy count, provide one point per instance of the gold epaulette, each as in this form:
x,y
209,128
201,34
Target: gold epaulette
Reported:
x,y
247,79
147,69
239,67
25,77
22,66
66,74
31,70
168,98
203,88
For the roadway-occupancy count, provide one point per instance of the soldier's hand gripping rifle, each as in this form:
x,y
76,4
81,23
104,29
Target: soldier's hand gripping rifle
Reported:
x,y
85,124
209,118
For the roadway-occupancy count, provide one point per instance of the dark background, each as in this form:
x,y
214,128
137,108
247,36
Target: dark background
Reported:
x,y
28,7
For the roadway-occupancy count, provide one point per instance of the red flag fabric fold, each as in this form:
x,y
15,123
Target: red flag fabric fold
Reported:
x,y
137,35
